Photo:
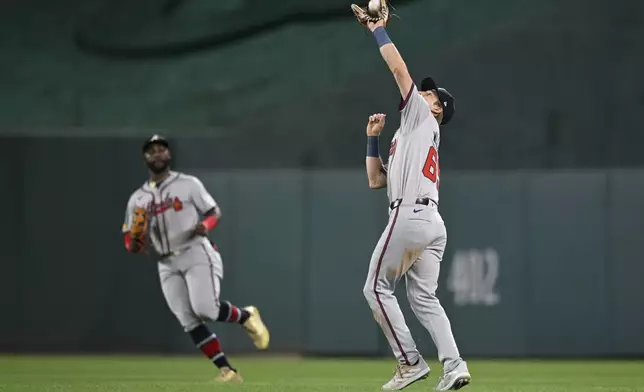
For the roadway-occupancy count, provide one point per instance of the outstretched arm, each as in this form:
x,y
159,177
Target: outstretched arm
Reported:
x,y
393,59
413,108
375,169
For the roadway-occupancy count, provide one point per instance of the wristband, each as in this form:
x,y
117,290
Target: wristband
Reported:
x,y
210,222
128,241
372,147
381,36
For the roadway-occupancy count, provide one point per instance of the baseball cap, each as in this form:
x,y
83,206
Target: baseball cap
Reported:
x,y
445,97
155,139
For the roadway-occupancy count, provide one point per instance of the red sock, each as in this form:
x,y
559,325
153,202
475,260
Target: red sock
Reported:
x,y
209,344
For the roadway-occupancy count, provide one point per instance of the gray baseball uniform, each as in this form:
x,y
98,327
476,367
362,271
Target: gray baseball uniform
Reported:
x,y
190,268
413,243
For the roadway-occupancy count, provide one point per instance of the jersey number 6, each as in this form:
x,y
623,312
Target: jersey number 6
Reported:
x,y
431,170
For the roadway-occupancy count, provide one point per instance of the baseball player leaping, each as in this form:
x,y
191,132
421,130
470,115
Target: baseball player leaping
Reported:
x,y
414,240
181,212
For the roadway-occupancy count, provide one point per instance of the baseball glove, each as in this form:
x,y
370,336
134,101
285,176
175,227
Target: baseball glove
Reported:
x,y
139,226
375,11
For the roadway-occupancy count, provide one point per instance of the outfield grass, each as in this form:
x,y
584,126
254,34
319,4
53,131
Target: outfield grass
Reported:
x,y
147,374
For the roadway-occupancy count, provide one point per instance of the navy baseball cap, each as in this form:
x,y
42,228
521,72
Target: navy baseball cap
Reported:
x,y
156,139
445,97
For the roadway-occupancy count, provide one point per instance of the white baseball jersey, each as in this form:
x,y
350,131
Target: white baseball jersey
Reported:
x,y
412,169
175,206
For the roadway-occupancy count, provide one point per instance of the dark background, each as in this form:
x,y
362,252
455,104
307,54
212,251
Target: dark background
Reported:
x,y
541,191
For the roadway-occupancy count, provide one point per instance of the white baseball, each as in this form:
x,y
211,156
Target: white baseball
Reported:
x,y
374,6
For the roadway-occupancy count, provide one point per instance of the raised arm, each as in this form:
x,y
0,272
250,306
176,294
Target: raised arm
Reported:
x,y
413,108
375,169
393,59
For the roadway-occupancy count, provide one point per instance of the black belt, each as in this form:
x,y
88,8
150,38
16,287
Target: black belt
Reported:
x,y
166,255
178,252
421,200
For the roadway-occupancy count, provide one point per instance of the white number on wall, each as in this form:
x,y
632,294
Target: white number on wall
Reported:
x,y
472,277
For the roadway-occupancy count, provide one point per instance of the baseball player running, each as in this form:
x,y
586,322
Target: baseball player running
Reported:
x,y
414,240
181,212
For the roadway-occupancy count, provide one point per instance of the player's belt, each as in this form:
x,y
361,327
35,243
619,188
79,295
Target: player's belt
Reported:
x,y
183,249
177,252
421,200
166,255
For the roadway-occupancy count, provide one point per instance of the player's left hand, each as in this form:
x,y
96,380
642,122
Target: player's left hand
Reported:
x,y
372,26
201,229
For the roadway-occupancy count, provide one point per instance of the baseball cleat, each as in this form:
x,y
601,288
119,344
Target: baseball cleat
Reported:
x,y
227,374
256,328
453,380
405,375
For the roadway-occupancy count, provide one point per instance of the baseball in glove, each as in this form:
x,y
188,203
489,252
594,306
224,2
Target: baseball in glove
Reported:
x,y
376,10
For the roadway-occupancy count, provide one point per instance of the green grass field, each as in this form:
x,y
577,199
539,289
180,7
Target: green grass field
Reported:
x,y
151,374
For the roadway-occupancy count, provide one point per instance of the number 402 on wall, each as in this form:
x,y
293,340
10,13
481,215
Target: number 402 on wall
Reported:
x,y
472,277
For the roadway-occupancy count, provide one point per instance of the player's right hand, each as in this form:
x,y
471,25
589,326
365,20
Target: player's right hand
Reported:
x,y
376,124
138,246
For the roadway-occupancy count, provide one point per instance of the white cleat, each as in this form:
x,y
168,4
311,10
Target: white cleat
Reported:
x,y
454,380
406,375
